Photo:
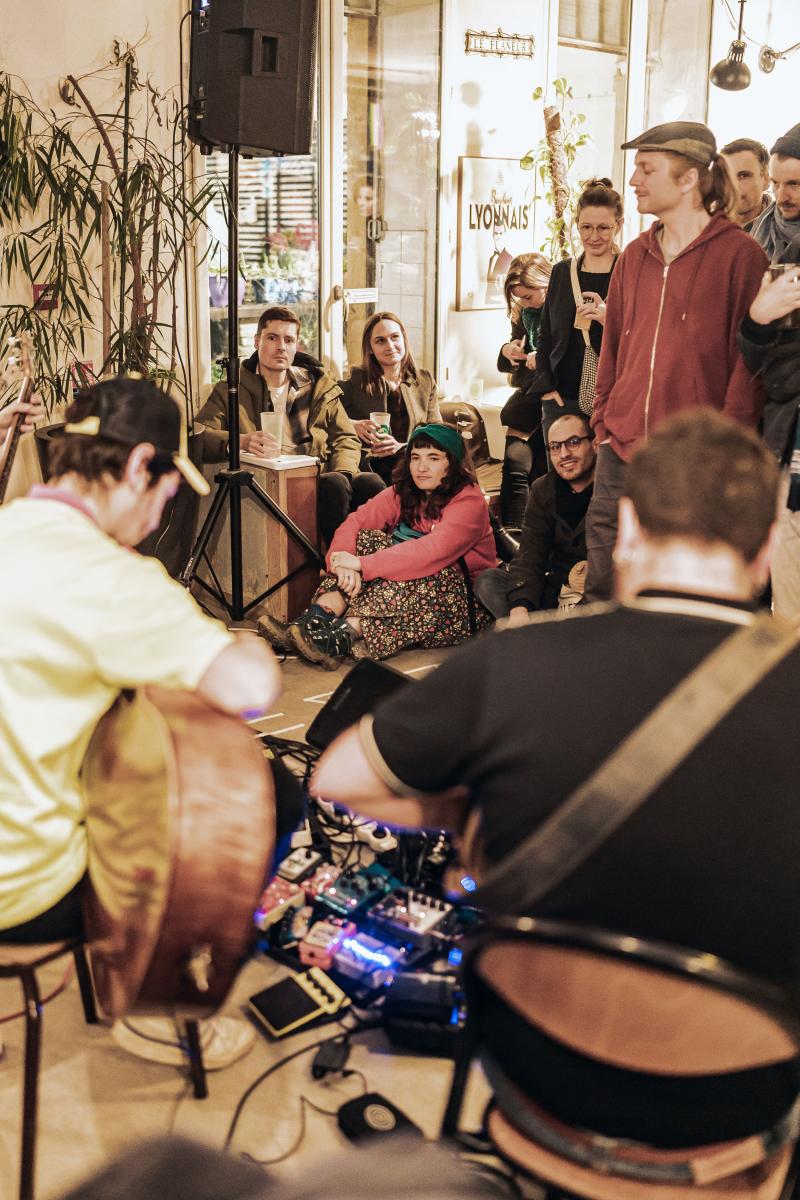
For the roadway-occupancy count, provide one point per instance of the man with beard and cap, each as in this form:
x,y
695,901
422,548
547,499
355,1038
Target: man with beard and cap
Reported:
x,y
778,230
677,297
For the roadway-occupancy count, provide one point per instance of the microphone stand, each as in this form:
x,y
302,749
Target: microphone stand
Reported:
x,y
233,479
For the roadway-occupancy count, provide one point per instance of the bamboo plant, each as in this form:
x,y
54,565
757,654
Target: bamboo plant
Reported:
x,y
97,212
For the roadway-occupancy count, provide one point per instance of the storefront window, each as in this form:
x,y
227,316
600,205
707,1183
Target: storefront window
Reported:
x,y
278,249
593,58
678,41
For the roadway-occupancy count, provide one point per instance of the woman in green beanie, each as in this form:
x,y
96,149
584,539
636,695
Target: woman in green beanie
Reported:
x,y
400,567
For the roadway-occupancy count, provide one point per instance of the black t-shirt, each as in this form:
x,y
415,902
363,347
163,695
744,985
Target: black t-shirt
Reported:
x,y
711,861
570,505
571,365
522,717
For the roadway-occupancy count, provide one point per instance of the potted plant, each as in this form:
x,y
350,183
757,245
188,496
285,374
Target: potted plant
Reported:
x,y
95,207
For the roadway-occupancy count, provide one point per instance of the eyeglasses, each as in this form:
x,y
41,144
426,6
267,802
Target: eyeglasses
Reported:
x,y
570,443
604,230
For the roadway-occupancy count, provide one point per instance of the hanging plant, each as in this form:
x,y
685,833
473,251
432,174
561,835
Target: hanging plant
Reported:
x,y
97,217
551,160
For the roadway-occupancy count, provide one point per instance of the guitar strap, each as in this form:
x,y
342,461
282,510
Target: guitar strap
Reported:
x,y
632,772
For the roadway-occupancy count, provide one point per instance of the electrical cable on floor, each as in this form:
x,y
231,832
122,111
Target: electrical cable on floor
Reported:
x,y
305,1102
265,1075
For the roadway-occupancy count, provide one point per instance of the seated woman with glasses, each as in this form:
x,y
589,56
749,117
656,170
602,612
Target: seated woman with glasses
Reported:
x,y
525,289
388,382
571,333
400,568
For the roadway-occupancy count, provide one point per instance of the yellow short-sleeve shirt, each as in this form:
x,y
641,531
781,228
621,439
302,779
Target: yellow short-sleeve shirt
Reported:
x,y
80,618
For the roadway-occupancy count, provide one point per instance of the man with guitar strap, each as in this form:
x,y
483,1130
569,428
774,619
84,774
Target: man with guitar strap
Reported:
x,y
82,617
696,838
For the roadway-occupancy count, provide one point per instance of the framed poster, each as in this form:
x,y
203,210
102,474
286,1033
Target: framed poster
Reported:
x,y
495,223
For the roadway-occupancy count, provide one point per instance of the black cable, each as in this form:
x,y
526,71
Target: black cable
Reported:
x,y
305,1102
266,1074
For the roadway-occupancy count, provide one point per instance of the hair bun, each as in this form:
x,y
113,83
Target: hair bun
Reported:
x,y
597,182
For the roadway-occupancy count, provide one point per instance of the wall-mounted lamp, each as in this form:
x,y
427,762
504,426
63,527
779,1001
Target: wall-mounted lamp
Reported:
x,y
732,73
768,57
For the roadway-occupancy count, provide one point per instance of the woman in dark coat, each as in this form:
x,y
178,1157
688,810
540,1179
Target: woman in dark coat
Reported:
x,y
388,381
525,289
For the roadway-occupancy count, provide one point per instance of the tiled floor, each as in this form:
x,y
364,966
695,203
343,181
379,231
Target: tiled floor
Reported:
x,y
95,1099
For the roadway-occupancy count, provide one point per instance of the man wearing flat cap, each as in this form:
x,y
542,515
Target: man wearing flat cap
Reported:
x,y
770,342
677,297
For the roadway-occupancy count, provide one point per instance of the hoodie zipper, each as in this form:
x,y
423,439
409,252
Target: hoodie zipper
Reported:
x,y
653,351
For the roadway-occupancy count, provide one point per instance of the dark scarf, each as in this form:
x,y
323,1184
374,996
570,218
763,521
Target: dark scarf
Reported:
x,y
779,238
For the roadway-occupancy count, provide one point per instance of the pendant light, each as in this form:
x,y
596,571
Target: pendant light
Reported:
x,y
732,73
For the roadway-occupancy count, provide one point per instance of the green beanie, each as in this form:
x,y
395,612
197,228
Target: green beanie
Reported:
x,y
444,436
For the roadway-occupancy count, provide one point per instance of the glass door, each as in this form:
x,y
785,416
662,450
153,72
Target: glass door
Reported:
x,y
383,100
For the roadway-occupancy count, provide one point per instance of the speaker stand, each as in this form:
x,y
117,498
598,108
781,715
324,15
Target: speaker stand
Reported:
x,y
231,481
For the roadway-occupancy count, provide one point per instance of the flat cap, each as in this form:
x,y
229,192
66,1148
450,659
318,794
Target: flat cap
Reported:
x,y
690,138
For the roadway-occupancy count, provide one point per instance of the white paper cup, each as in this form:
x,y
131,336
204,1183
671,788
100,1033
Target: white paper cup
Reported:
x,y
382,419
272,423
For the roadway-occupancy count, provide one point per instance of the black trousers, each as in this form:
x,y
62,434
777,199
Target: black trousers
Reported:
x,y
339,494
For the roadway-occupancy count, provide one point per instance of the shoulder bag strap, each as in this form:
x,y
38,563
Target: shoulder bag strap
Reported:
x,y
632,772
576,291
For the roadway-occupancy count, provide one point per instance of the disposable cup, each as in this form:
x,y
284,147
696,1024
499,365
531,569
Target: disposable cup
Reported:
x,y
382,419
272,423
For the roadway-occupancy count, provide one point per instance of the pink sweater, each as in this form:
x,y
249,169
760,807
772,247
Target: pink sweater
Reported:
x,y
462,529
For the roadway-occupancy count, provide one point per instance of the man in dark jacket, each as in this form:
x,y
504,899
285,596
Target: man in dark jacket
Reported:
x,y
677,296
772,350
279,379
553,536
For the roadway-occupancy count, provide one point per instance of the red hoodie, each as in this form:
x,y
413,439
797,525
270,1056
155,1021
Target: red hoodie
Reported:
x,y
669,341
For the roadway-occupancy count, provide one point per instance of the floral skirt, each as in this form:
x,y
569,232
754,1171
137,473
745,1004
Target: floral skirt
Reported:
x,y
398,614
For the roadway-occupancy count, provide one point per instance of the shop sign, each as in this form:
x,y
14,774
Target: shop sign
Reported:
x,y
499,45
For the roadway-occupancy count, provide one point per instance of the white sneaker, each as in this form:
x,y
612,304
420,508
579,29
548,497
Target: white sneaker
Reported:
x,y
158,1039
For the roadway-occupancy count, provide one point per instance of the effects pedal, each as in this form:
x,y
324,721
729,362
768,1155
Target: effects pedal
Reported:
x,y
410,915
377,837
322,941
300,864
324,877
276,900
366,959
371,1116
354,891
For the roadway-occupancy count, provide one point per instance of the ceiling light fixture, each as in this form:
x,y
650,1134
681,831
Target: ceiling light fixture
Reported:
x,y
732,73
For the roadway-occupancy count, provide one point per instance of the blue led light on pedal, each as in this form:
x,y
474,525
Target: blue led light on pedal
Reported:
x,y
455,956
468,883
372,956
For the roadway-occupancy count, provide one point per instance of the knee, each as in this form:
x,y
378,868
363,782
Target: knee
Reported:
x,y
366,484
333,487
518,455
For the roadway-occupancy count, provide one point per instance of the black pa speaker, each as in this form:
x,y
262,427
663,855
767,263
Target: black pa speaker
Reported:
x,y
251,76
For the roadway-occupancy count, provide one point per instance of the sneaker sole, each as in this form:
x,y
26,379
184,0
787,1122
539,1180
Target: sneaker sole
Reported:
x,y
310,652
215,1058
277,635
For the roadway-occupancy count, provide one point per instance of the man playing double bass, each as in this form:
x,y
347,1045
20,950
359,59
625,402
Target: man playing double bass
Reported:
x,y
83,617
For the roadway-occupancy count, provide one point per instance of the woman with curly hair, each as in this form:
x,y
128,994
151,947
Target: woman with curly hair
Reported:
x,y
400,567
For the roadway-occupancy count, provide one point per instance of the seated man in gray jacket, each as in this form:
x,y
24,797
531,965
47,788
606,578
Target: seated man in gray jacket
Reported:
x,y
278,378
553,538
